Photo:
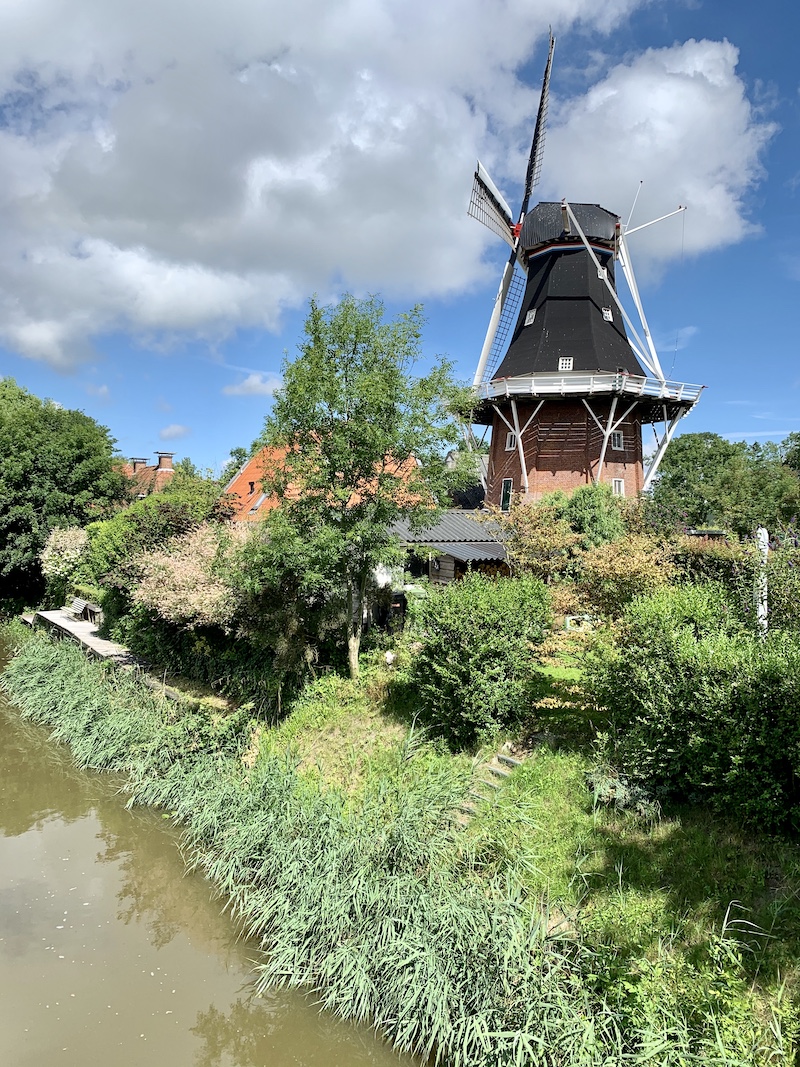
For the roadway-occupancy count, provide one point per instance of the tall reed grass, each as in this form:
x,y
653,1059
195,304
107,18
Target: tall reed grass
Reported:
x,y
373,902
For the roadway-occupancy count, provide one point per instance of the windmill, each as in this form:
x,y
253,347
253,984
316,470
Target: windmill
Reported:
x,y
565,388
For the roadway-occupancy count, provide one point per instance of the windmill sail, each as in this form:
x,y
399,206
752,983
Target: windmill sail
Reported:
x,y
508,317
488,206
484,192
534,170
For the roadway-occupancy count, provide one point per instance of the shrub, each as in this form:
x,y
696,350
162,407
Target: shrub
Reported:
x,y
615,572
594,513
475,670
701,708
182,584
538,539
783,587
62,559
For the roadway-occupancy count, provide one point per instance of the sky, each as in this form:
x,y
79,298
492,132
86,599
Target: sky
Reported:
x,y
178,178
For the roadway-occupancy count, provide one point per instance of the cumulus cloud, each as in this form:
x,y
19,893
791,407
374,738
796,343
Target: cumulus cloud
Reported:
x,y
174,432
170,168
256,384
678,120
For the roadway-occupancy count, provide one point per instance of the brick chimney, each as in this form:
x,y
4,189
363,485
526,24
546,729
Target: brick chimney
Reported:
x,y
138,464
165,461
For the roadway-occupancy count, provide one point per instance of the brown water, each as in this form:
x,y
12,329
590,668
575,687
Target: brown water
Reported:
x,y
111,956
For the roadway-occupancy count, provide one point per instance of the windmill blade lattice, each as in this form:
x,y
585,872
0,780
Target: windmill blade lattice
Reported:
x,y
508,318
487,206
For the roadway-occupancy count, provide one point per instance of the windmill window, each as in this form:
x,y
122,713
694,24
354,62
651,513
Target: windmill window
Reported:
x,y
618,487
530,317
565,362
617,441
511,441
505,494
608,315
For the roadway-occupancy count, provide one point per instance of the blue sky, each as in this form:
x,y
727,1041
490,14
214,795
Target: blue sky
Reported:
x,y
176,179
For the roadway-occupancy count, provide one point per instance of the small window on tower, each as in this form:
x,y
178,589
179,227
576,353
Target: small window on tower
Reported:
x,y
530,317
511,441
618,487
607,315
565,363
617,441
505,494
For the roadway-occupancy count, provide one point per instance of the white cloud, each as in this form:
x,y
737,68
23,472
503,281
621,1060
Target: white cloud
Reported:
x,y
185,169
102,392
256,384
174,432
677,119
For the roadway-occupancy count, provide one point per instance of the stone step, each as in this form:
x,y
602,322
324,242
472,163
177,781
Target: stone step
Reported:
x,y
467,807
489,785
497,771
508,760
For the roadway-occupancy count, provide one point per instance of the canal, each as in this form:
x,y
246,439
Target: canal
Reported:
x,y
111,955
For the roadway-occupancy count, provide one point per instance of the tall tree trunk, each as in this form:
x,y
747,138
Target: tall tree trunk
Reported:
x,y
355,619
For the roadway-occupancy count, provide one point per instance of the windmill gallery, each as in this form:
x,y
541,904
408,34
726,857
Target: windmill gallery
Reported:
x,y
567,396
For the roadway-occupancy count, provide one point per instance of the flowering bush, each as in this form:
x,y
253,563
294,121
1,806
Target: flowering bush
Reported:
x,y
63,553
184,583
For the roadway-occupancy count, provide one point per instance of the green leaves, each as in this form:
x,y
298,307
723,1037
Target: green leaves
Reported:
x,y
364,440
56,470
475,670
702,709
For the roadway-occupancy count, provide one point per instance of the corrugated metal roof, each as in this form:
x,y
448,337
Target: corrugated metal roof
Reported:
x,y
452,526
471,553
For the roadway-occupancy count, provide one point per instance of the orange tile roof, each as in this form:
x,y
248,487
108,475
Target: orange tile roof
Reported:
x,y
251,502
150,478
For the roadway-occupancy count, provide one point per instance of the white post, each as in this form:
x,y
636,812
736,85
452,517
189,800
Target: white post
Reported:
x,y
760,590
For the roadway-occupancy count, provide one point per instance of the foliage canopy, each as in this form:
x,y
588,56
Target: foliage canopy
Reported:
x,y
57,469
364,439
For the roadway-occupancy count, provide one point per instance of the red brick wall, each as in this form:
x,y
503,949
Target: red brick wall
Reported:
x,y
562,449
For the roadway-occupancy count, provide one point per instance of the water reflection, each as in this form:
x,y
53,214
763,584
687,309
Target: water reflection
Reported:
x,y
110,953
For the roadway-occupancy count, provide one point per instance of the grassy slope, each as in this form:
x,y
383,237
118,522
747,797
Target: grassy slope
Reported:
x,y
644,904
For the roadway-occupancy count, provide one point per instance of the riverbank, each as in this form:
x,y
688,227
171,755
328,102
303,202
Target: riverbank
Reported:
x,y
544,933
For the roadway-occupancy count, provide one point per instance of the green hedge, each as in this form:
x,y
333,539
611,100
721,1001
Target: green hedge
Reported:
x,y
703,709
475,669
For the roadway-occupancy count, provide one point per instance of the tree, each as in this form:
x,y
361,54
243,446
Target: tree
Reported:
x,y
57,469
364,442
705,480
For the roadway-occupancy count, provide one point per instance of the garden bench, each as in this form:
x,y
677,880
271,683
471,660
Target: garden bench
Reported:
x,y
84,609
76,607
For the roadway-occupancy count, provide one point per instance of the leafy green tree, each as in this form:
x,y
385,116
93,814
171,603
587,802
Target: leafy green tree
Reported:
x,y
364,441
57,469
232,467
790,451
705,480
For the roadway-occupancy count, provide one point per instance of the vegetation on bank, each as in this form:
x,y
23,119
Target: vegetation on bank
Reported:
x,y
601,907
548,931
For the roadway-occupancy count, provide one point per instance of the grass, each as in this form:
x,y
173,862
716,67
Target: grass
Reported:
x,y
545,933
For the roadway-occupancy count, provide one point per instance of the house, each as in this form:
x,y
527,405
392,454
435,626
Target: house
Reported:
x,y
457,542
246,490
150,478
250,500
